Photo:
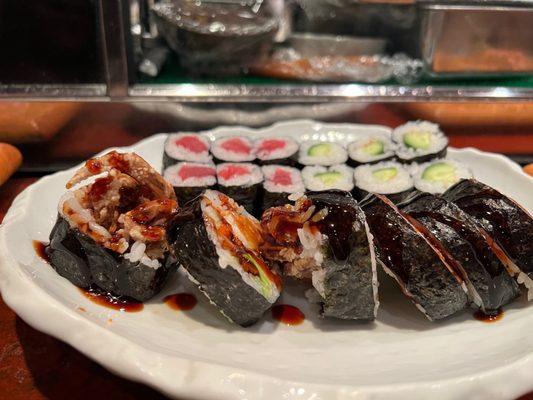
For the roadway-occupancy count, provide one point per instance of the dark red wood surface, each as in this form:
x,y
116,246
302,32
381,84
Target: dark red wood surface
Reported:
x,y
35,366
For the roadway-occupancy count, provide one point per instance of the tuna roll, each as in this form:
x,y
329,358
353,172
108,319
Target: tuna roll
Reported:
x,y
419,142
280,182
465,245
510,225
324,239
217,243
233,149
322,153
185,147
388,177
276,150
422,272
242,182
111,233
190,179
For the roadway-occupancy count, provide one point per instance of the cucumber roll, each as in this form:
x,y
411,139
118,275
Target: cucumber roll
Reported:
x,y
217,243
241,182
111,233
389,178
318,178
185,147
233,149
322,153
438,175
324,240
280,182
190,179
276,150
370,150
414,261
419,141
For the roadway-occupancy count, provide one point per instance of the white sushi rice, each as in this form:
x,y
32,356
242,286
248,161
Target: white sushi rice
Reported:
x,y
337,154
312,182
364,178
252,177
297,185
222,154
137,254
184,154
357,153
171,175
461,171
290,148
438,139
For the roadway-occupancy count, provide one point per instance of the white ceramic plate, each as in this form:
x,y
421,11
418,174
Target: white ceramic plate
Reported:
x,y
199,355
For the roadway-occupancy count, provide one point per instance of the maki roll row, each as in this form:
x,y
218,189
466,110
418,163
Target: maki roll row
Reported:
x,y
111,233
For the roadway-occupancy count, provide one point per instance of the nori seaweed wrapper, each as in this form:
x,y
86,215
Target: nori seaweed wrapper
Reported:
x,y
464,241
405,253
504,220
168,161
425,158
291,161
396,198
354,163
246,196
224,287
84,263
350,282
273,199
185,194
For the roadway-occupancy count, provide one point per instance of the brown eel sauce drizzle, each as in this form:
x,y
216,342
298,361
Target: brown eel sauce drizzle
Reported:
x,y
181,301
41,249
124,304
287,314
492,317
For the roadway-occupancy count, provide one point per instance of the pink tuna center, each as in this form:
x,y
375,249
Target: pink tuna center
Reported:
x,y
191,143
195,171
236,146
270,145
282,177
233,171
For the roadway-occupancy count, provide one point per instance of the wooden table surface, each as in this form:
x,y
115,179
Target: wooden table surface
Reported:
x,y
35,366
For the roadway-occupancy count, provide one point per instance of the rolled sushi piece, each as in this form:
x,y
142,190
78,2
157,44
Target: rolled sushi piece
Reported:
x,y
466,246
276,150
111,233
418,265
242,182
217,243
370,150
439,175
190,179
280,182
505,221
185,147
324,240
233,149
388,177
322,153
419,142
336,177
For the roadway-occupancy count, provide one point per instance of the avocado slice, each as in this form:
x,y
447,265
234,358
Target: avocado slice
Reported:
x,y
374,147
385,174
329,178
440,172
418,140
266,283
319,150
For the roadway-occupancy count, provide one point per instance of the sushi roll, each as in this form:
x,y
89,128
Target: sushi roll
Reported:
x,y
467,246
318,178
324,240
507,223
438,175
276,150
416,263
370,150
389,178
216,241
233,149
280,182
240,181
322,153
111,233
419,142
185,147
190,179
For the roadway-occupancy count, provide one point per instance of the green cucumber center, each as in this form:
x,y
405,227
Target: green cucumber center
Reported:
x,y
319,150
418,140
385,174
440,172
374,147
328,178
